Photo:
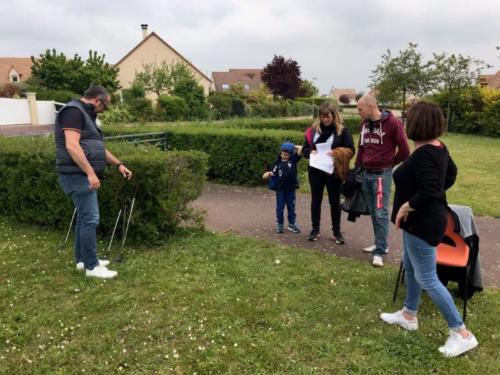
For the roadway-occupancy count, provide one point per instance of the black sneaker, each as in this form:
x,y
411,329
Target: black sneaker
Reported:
x,y
314,235
339,239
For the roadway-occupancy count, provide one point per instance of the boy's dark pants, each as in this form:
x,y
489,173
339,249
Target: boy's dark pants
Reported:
x,y
285,198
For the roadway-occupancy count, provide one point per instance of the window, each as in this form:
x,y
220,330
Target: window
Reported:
x,y
246,86
225,86
14,78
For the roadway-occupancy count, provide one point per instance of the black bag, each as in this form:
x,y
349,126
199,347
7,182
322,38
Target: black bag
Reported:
x,y
356,203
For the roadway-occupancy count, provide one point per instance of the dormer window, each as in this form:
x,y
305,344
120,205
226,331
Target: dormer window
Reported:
x,y
14,78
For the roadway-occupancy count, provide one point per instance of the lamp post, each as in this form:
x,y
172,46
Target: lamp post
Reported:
x,y
312,81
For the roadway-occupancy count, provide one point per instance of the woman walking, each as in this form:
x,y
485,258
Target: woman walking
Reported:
x,y
420,209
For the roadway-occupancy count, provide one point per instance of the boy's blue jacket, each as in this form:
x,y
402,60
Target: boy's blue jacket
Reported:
x,y
285,174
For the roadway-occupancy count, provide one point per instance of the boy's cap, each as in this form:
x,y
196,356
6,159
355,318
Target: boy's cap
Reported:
x,y
288,147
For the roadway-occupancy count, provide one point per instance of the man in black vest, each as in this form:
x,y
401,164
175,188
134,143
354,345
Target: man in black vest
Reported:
x,y
80,159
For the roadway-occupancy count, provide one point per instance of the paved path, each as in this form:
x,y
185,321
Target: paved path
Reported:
x,y
250,212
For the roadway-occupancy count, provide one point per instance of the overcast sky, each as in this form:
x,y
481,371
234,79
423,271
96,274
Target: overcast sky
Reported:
x,y
339,42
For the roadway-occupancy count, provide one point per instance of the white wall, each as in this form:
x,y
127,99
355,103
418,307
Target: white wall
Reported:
x,y
16,112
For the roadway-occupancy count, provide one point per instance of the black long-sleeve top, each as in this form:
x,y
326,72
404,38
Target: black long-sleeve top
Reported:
x,y
343,139
422,181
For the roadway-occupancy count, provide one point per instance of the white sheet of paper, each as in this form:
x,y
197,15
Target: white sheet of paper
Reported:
x,y
321,160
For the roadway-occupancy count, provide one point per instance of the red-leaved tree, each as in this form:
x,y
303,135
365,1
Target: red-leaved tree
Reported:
x,y
282,77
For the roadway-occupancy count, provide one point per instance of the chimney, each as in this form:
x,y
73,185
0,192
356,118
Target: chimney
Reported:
x,y
144,27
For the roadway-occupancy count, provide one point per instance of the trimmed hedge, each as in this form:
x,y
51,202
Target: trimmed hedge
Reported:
x,y
166,182
236,156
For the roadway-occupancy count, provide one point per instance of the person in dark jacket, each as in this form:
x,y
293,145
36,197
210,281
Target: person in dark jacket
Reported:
x,y
382,145
284,173
420,210
328,130
80,159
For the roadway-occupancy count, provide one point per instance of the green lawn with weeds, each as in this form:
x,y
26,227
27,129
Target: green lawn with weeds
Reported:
x,y
478,181
206,303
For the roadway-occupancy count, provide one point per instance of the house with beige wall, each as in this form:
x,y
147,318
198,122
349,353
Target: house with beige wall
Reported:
x,y
154,50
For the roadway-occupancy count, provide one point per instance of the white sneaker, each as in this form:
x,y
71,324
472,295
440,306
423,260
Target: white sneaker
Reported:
x,y
377,261
456,344
370,249
101,272
102,262
399,319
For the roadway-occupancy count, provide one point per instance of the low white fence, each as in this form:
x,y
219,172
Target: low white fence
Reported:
x,y
17,112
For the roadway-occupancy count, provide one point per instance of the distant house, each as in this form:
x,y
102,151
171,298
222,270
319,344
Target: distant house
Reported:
x,y
249,79
336,93
154,50
490,80
14,69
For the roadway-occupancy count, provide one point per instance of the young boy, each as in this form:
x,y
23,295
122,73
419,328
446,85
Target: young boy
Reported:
x,y
284,170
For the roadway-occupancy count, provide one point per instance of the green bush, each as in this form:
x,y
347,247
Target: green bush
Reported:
x,y
116,113
61,96
166,182
141,109
221,104
171,108
238,108
236,156
473,110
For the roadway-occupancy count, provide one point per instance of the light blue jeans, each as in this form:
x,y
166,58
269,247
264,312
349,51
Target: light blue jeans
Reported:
x,y
378,206
87,217
419,260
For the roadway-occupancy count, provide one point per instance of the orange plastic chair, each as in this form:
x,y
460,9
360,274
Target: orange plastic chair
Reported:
x,y
451,252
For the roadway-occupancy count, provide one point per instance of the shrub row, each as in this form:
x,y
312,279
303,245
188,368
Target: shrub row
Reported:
x,y
236,156
165,181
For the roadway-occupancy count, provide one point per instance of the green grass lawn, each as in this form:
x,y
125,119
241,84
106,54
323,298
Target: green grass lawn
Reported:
x,y
207,303
478,181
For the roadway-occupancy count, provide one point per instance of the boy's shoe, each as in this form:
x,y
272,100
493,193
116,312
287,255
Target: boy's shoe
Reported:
x,y
456,344
102,262
370,249
377,261
338,238
279,228
294,228
313,235
101,272
399,319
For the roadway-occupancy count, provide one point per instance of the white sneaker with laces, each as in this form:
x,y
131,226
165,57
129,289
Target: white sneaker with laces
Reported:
x,y
369,249
399,319
102,262
101,272
377,261
456,344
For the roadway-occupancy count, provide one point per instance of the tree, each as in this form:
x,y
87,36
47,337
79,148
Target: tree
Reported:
x,y
194,96
359,95
54,71
162,78
282,77
344,99
307,89
453,73
397,77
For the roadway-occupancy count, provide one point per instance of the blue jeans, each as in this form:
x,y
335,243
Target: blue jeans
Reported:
x,y
87,217
419,260
285,198
377,191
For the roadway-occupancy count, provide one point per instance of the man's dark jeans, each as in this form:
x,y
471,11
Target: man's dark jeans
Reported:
x,y
76,186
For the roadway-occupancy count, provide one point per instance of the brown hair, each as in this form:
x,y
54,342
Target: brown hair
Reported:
x,y
324,108
425,121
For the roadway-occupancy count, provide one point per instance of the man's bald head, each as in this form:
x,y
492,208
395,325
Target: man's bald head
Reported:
x,y
368,107
368,100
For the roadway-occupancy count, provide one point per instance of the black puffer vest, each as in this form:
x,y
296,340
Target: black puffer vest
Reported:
x,y
91,141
